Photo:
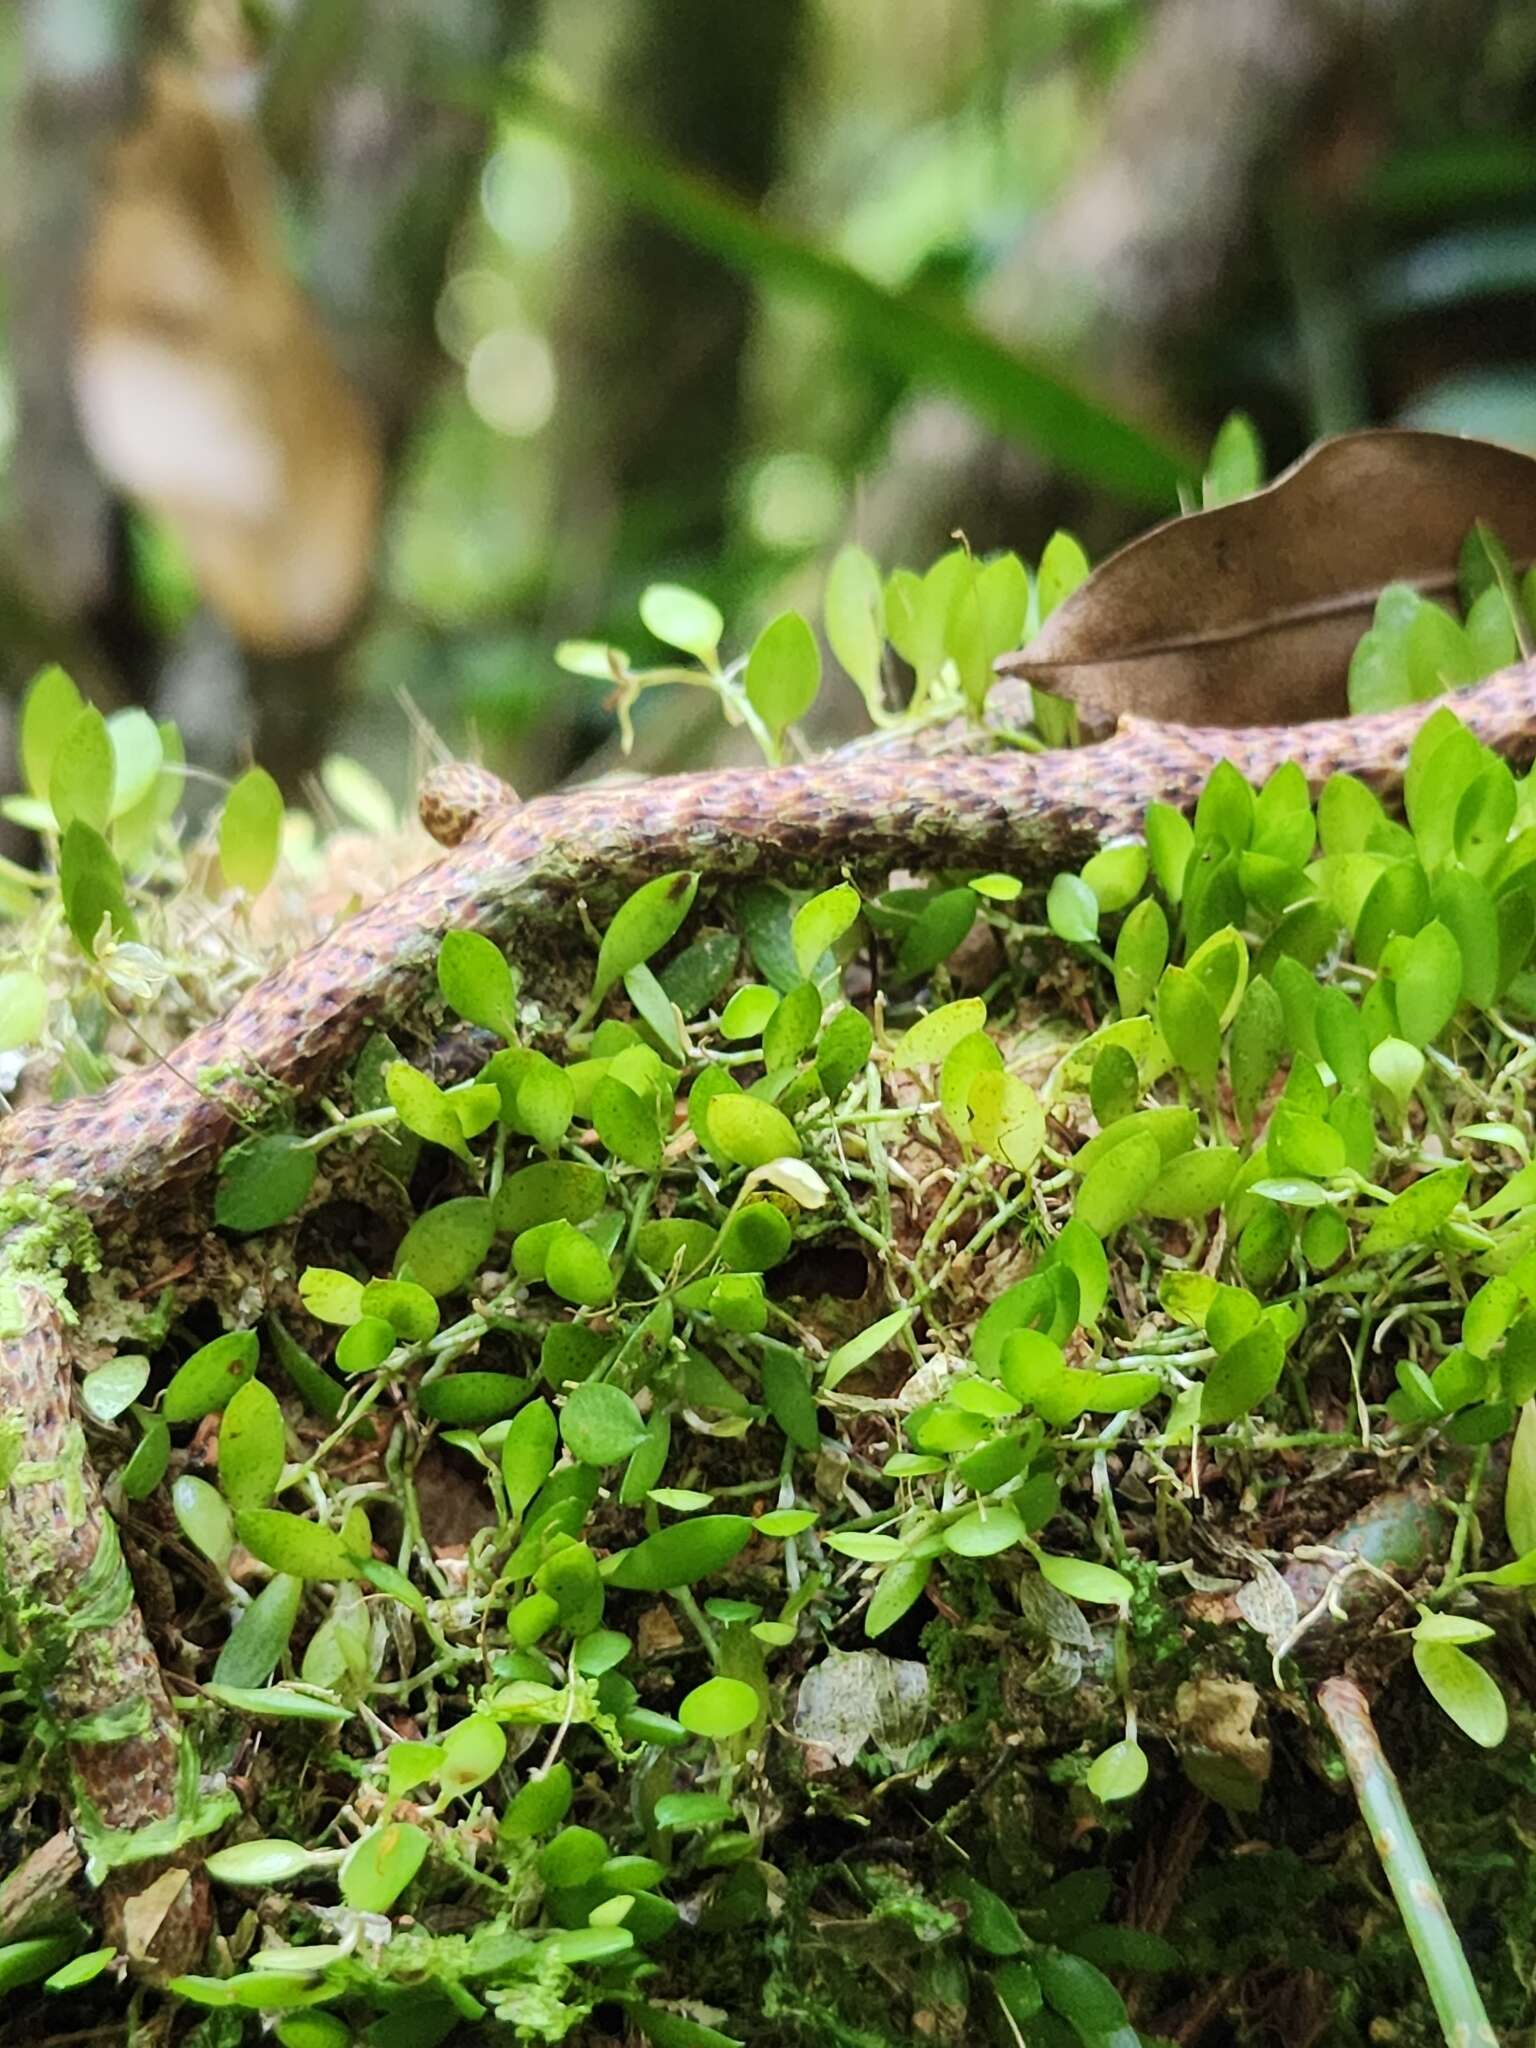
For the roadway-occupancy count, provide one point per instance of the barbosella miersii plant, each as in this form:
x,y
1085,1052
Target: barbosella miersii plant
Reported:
x,y
818,1463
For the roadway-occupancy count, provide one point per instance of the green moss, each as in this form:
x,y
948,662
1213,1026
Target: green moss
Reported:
x,y
43,1239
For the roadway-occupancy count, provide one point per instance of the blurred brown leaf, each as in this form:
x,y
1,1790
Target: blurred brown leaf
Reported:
x,y
208,389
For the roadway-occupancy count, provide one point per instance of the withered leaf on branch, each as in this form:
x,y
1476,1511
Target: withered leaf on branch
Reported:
x,y
1248,614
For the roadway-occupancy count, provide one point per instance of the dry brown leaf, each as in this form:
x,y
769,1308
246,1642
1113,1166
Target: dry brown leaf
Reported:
x,y
1248,614
144,1913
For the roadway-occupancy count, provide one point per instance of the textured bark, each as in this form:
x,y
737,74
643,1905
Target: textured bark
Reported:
x,y
89,1664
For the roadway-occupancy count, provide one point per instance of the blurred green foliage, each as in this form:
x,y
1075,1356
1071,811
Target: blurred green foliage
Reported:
x,y
711,261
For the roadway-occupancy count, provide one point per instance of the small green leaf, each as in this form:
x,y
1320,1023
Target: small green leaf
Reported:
x,y
1242,1377
83,773
747,1013
787,1397
756,1238
138,753
473,1750
146,1468
267,1862
854,616
843,1052
528,1453
1170,842
1236,466
210,1377
1301,1143
1063,566
23,1009
574,1857
261,1862
985,1531
1115,1185
424,1108
1116,875
1427,981
251,1446
900,1587
314,1387
691,1810
91,887
379,1865
641,926
204,1518
1084,1997
547,1191
1141,954
594,659
1194,1184
1114,1085
935,1036
1072,910
1220,965
1398,1067
990,1923
408,1309
472,1400
446,1247
48,710
263,1182
476,981
80,1970
719,1708
411,1764
627,1125
654,1007
288,1543
545,1101
680,1554
749,1131
260,1635
539,1804
781,1523
577,1269
1080,1580
818,925
783,672
1415,1215
1079,1252
696,977
113,1388
682,618
1464,1690
251,831
331,1296
1520,1571
943,924
1191,1025
1007,1120
1118,1772
600,1424
860,1349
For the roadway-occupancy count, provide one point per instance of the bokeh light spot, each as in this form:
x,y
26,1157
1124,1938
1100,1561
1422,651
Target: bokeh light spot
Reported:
x,y
525,192
793,501
510,379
